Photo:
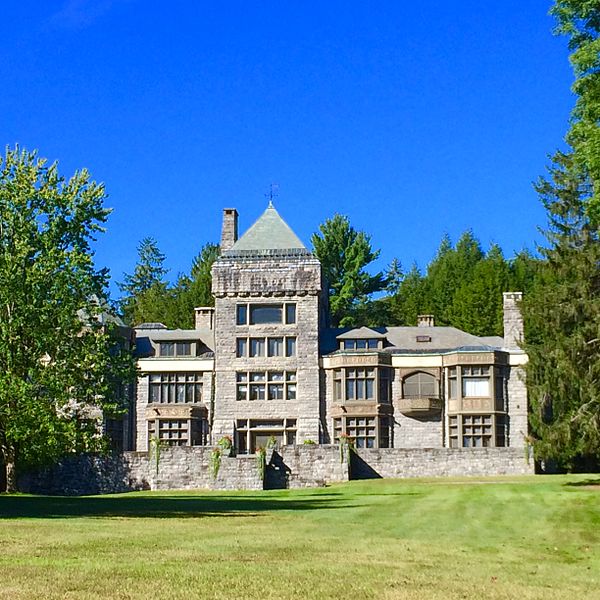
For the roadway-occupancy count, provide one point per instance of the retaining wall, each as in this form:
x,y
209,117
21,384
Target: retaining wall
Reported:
x,y
291,467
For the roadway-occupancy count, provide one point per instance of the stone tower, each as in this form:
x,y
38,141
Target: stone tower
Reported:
x,y
267,289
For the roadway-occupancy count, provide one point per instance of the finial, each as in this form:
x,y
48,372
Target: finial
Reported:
x,y
273,193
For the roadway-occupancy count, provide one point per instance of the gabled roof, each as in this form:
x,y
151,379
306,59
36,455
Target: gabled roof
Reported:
x,y
270,235
363,333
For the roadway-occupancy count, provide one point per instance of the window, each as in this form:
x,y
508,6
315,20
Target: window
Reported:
x,y
366,431
269,385
242,314
475,382
420,385
183,348
360,384
290,313
179,432
257,347
270,346
167,349
360,344
275,346
477,431
261,314
241,347
266,314
252,434
175,388
175,348
385,387
453,383
290,346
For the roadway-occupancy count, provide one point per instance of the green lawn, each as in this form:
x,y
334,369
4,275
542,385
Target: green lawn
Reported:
x,y
530,537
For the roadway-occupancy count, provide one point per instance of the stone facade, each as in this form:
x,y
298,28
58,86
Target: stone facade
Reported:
x,y
263,364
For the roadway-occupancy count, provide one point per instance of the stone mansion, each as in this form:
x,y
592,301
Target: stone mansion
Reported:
x,y
264,363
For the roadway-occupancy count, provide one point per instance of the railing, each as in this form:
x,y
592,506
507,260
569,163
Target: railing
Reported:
x,y
420,405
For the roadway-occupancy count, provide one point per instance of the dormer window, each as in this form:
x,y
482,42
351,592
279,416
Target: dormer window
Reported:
x,y
360,344
172,349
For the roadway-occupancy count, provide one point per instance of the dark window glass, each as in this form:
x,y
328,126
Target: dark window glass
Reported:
x,y
184,348
167,349
242,344
349,344
242,314
275,346
290,314
373,344
290,346
257,347
265,313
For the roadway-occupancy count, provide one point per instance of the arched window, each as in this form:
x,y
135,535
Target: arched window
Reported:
x,y
420,385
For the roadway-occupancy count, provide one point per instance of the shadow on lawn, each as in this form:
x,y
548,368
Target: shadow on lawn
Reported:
x,y
180,506
584,483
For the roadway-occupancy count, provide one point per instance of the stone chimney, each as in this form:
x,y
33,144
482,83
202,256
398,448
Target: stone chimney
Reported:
x,y
229,232
205,317
425,321
513,319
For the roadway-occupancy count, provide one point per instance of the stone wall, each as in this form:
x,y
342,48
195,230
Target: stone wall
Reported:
x,y
438,462
291,467
179,468
310,465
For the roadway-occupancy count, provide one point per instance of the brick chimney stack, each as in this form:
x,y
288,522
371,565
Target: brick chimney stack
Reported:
x,y
513,319
229,232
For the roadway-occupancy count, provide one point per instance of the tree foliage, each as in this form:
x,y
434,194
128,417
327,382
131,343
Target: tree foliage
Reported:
x,y
579,20
56,359
563,373
345,253
149,298
144,291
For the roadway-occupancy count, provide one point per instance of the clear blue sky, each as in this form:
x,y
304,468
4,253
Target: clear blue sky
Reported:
x,y
414,119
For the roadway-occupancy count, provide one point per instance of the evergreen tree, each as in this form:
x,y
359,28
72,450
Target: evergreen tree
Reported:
x,y
579,20
563,373
344,253
477,304
191,291
145,291
450,269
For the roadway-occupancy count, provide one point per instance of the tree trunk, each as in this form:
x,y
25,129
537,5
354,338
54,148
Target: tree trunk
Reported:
x,y
11,471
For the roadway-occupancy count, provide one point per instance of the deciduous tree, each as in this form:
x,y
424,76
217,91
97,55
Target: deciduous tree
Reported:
x,y
56,358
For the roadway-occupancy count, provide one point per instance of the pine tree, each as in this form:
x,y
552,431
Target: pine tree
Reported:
x,y
579,20
145,291
344,254
563,373
477,304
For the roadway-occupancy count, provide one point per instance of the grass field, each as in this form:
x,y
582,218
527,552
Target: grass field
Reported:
x,y
531,537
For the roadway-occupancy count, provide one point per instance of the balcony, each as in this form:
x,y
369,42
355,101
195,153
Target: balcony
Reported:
x,y
420,406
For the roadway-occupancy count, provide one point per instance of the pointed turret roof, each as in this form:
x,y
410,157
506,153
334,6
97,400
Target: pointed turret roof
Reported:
x,y
270,235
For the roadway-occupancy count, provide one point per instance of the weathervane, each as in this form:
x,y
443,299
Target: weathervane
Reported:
x,y
273,193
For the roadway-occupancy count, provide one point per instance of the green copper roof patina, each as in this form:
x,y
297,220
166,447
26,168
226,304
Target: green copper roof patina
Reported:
x,y
269,236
